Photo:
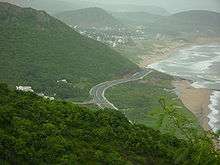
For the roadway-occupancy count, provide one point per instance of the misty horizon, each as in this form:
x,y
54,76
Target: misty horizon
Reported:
x,y
172,6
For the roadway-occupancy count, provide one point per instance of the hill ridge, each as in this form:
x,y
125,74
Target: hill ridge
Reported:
x,y
45,50
89,17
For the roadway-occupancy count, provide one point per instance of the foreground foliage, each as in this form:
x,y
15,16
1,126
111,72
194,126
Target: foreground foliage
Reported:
x,y
34,130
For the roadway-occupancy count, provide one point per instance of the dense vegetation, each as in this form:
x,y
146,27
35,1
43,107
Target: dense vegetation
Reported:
x,y
139,102
34,130
37,50
50,6
88,18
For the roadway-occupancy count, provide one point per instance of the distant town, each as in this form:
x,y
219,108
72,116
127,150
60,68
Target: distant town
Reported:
x,y
113,36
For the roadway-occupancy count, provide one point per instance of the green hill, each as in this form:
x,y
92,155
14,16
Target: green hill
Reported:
x,y
51,6
38,50
195,22
136,18
36,131
89,17
127,7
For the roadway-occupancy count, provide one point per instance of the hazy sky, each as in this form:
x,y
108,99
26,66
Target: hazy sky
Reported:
x,y
171,5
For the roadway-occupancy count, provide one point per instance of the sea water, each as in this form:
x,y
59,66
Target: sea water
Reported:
x,y
201,64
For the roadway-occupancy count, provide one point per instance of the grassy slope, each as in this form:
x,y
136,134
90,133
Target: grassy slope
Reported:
x,y
38,131
140,101
38,50
88,17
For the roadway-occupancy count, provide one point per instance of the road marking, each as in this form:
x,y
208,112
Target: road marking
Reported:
x,y
98,88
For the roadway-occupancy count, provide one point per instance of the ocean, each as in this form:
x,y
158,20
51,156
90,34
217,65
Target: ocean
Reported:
x,y
201,65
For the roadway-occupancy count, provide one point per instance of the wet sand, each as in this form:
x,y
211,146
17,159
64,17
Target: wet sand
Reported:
x,y
196,100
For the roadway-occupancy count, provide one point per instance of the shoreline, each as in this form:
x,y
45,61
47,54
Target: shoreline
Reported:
x,y
159,54
196,100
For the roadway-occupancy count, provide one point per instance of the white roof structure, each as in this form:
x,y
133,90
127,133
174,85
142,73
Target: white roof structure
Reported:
x,y
24,88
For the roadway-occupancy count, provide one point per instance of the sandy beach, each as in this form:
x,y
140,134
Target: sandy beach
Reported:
x,y
196,100
161,52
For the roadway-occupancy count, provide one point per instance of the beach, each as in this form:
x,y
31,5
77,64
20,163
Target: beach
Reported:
x,y
192,64
197,100
161,52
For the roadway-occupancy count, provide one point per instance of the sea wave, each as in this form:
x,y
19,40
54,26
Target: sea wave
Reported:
x,y
214,112
198,85
199,64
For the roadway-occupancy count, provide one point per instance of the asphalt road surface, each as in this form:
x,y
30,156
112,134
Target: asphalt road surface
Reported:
x,y
98,91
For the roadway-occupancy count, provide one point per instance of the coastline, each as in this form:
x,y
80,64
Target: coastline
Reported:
x,y
196,100
160,54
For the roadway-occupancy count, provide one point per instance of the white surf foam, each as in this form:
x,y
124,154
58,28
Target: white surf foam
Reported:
x,y
155,66
205,65
196,47
198,85
213,106
200,54
202,65
213,46
217,53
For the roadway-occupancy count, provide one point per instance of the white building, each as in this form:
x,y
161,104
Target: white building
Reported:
x,y
63,80
24,88
46,97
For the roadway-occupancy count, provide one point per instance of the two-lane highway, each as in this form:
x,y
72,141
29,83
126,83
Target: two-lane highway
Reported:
x,y
98,91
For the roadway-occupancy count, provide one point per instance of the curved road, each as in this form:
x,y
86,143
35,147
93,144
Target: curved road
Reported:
x,y
98,91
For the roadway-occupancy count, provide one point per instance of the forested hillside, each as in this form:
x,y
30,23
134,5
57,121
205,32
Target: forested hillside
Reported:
x,y
88,18
39,50
50,6
34,130
137,18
